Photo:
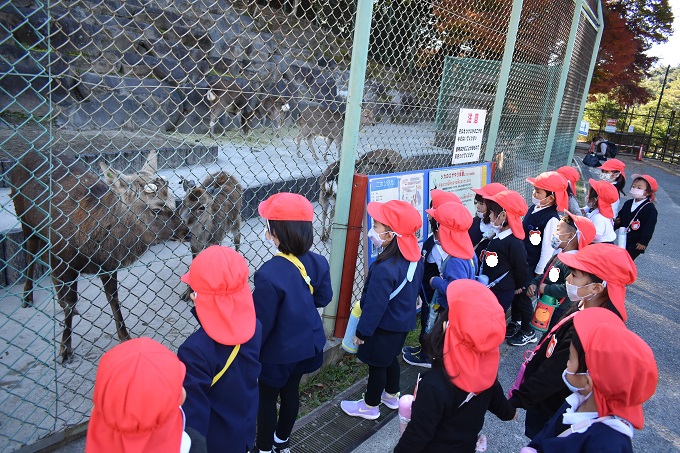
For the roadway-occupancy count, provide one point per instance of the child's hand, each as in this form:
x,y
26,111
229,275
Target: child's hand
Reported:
x,y
519,290
357,341
531,290
541,289
640,246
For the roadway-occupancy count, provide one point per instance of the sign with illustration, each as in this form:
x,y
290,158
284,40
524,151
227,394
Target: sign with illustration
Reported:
x,y
414,187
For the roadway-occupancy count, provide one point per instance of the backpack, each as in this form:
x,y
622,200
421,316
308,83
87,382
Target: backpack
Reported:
x,y
612,149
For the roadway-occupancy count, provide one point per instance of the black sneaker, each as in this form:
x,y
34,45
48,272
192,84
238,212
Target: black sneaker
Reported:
x,y
522,338
512,329
283,447
419,359
411,349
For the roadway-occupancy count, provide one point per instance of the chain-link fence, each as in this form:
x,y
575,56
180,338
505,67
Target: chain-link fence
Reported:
x,y
126,125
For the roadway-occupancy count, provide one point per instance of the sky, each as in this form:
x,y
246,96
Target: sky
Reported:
x,y
669,52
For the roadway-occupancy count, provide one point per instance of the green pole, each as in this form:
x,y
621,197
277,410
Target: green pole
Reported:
x,y
357,77
586,87
566,64
503,77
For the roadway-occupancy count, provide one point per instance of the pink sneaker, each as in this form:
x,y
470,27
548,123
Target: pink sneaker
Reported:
x,y
389,400
360,409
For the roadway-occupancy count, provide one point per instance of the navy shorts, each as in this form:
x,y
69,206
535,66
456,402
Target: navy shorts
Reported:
x,y
277,374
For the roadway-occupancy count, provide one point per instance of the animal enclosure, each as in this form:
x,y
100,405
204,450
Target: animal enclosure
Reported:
x,y
154,128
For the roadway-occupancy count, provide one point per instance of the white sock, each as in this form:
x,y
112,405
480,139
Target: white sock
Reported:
x,y
268,451
279,441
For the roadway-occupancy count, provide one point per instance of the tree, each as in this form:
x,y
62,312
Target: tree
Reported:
x,y
631,27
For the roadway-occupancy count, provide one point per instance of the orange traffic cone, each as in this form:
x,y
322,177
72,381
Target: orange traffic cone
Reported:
x,y
640,151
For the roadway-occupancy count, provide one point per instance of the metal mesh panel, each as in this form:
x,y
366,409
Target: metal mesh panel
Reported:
x,y
573,93
126,125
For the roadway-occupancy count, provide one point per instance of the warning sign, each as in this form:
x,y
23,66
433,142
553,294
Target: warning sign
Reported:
x,y
469,136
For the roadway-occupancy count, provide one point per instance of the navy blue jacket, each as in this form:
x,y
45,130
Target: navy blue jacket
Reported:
x,y
430,270
454,269
226,413
377,310
598,438
291,327
536,221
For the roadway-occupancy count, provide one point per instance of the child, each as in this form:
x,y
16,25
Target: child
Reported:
x,y
542,391
433,257
601,197
639,215
388,304
137,397
481,231
504,261
453,222
572,176
573,234
288,290
452,399
611,372
612,172
549,197
222,356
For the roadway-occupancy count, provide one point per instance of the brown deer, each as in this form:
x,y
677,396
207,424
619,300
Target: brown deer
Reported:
x,y
319,120
229,96
86,225
373,162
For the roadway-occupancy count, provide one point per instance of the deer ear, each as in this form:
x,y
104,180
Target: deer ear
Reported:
x,y
115,179
151,164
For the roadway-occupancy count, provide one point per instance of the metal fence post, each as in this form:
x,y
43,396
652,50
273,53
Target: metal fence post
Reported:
x,y
362,30
503,77
586,88
566,64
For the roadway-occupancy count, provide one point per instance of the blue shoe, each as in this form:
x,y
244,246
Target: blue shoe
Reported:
x,y
410,349
419,359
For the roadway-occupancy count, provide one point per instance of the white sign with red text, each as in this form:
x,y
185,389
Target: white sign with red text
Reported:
x,y
469,134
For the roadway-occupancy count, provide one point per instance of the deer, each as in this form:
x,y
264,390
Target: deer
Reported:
x,y
210,210
319,120
227,96
373,162
88,225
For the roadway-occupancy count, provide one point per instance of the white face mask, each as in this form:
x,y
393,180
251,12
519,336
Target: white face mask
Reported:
x,y
572,293
374,236
568,384
497,228
269,240
555,241
637,193
480,215
538,202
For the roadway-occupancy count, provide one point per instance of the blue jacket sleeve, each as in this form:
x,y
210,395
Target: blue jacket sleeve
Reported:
x,y
377,296
455,269
197,385
323,292
266,300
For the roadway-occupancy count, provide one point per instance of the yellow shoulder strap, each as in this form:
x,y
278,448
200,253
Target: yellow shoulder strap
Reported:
x,y
231,358
301,267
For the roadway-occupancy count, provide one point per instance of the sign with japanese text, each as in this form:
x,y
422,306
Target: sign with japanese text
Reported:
x,y
460,180
469,134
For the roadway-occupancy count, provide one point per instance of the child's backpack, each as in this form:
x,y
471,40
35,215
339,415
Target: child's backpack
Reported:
x,y
612,149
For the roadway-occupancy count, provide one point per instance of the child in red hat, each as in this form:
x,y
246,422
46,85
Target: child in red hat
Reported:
x,y
448,412
572,175
453,221
137,397
222,356
388,304
504,261
599,210
612,172
611,372
573,233
433,257
288,290
540,224
599,274
638,215
481,230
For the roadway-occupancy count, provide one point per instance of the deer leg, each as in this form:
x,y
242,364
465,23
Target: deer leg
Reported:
x,y
324,217
236,231
110,282
67,295
310,143
216,111
32,245
297,140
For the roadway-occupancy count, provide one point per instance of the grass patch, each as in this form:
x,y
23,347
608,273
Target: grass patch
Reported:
x,y
333,379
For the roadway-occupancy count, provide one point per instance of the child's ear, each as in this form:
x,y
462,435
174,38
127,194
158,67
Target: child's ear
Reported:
x,y
588,387
598,288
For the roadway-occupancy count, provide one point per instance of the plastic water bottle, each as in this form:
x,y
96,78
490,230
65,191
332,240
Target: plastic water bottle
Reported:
x,y
405,403
545,307
432,317
621,237
348,340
